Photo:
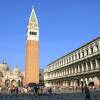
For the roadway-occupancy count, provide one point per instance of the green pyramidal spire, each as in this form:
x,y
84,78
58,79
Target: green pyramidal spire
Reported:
x,y
33,16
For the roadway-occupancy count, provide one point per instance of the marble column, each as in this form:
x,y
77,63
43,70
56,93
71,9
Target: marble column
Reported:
x,y
72,83
95,49
99,45
62,73
69,71
89,50
57,74
82,67
91,64
75,70
66,71
66,83
97,64
72,70
78,68
75,84
86,80
87,66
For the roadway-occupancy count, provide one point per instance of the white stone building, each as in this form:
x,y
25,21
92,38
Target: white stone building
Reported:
x,y
79,67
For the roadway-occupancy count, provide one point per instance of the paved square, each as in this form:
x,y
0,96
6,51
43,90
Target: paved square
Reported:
x,y
64,96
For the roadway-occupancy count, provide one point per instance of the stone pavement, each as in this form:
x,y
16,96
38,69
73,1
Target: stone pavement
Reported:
x,y
65,96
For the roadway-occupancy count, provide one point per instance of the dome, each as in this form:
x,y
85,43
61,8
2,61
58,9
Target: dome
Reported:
x,y
4,67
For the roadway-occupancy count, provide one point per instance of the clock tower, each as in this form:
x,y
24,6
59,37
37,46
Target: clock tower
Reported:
x,y
32,50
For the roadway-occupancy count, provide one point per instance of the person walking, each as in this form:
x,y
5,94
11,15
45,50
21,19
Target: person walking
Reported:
x,y
50,90
87,93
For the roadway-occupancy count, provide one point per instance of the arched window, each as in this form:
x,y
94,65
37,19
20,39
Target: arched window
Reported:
x,y
79,55
97,47
91,49
7,83
82,53
87,52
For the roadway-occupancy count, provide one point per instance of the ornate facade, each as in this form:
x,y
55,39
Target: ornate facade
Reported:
x,y
79,67
10,77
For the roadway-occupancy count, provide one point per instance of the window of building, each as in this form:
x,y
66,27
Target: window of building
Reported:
x,y
75,56
92,50
87,52
97,47
82,53
69,58
79,55
64,61
72,58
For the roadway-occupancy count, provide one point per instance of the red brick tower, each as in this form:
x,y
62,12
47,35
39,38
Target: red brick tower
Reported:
x,y
32,63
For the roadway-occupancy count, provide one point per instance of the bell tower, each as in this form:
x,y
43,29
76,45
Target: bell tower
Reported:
x,y
32,50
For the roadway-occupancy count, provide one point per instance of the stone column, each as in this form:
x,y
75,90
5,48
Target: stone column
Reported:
x,y
99,45
95,48
89,50
69,71
97,82
78,68
75,84
87,67
85,54
91,64
72,70
66,84
86,80
66,71
62,73
57,74
82,67
71,84
97,64
75,70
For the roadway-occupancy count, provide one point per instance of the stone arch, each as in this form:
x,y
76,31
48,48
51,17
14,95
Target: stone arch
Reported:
x,y
13,83
91,82
7,83
19,83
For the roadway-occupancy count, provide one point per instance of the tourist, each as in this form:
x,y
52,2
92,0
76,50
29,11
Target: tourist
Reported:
x,y
87,93
16,90
36,90
50,91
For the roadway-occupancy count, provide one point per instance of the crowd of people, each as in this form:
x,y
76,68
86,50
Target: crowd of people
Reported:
x,y
37,90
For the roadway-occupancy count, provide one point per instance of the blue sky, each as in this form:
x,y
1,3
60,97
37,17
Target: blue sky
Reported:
x,y
64,26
